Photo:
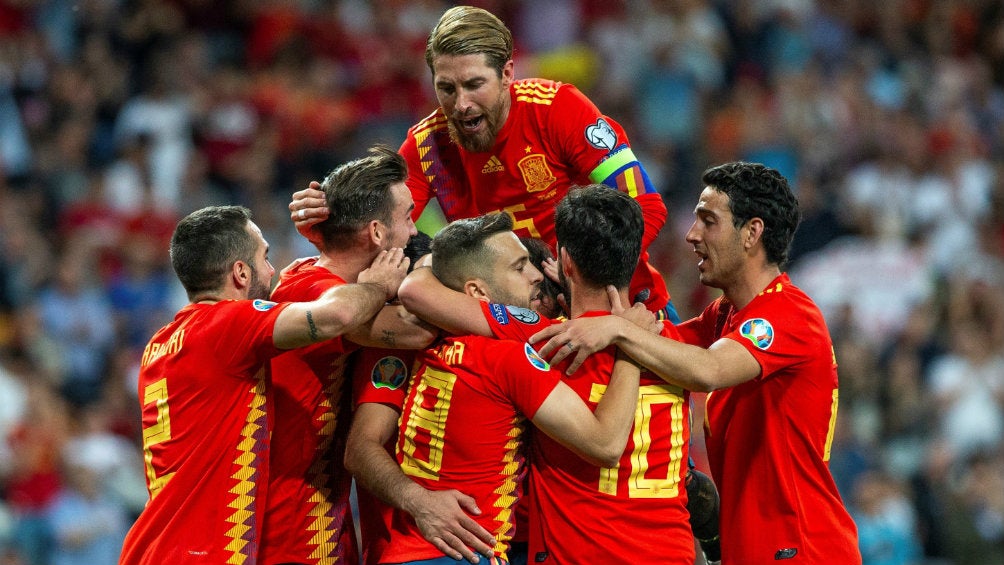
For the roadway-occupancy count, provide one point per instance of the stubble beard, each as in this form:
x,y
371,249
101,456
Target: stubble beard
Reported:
x,y
484,140
258,290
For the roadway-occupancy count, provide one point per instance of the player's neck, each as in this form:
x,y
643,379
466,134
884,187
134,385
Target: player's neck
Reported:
x,y
747,287
346,264
592,299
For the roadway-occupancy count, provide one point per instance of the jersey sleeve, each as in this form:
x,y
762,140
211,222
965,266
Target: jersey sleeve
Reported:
x,y
513,322
417,182
523,376
766,332
381,376
246,331
599,145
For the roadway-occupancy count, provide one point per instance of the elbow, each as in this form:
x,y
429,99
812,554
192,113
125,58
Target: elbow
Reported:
x,y
706,384
351,458
409,294
608,459
608,455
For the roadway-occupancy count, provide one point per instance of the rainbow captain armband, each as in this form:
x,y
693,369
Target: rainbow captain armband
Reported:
x,y
621,170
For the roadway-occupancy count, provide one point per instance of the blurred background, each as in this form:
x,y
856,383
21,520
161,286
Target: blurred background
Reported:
x,y
118,117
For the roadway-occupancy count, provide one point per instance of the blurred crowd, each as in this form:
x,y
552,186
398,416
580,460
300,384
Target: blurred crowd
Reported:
x,y
118,117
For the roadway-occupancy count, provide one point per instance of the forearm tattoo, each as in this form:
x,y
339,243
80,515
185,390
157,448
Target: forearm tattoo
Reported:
x,y
313,327
389,338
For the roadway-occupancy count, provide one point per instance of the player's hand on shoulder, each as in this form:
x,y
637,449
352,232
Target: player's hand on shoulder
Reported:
x,y
639,315
388,269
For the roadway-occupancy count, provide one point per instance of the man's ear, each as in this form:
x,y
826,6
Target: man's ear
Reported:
x,y
376,232
240,274
478,289
508,73
565,262
753,232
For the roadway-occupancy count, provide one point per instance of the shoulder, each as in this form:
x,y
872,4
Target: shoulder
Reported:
x,y
783,297
537,93
436,121
305,282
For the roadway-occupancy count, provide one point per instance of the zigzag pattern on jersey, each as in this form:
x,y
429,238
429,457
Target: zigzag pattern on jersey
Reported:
x,y
536,93
429,134
509,491
327,518
244,544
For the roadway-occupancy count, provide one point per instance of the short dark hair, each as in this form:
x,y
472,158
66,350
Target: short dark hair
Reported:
x,y
467,30
419,245
358,192
758,191
601,229
459,251
206,244
540,251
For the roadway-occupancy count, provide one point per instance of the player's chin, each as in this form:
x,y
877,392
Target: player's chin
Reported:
x,y
535,304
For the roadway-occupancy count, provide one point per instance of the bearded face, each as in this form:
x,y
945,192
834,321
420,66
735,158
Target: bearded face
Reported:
x,y
474,97
477,134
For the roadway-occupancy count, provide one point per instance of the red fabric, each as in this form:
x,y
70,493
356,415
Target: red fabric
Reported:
x,y
307,517
203,391
541,152
768,439
461,428
580,513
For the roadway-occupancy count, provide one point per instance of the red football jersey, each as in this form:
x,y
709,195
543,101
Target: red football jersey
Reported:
x,y
307,517
635,512
203,384
462,427
768,439
553,139
380,376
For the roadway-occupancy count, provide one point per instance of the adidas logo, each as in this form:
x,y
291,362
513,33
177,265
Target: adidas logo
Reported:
x,y
492,166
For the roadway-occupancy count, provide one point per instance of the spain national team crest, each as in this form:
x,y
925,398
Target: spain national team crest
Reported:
x,y
389,372
759,331
536,174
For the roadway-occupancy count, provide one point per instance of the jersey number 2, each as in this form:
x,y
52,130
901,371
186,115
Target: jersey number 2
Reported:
x,y
156,393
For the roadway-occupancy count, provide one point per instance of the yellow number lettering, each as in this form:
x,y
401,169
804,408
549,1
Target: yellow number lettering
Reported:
x,y
435,389
156,394
524,223
638,482
833,426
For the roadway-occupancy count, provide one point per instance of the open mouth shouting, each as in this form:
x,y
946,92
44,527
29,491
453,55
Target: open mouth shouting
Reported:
x,y
471,124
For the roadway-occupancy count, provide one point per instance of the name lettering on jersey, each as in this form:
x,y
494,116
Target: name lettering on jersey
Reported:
x,y
499,313
601,136
452,353
389,372
154,350
492,166
759,331
536,173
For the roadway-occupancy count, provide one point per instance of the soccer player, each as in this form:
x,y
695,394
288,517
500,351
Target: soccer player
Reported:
x,y
764,349
462,425
205,393
500,144
632,511
307,518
